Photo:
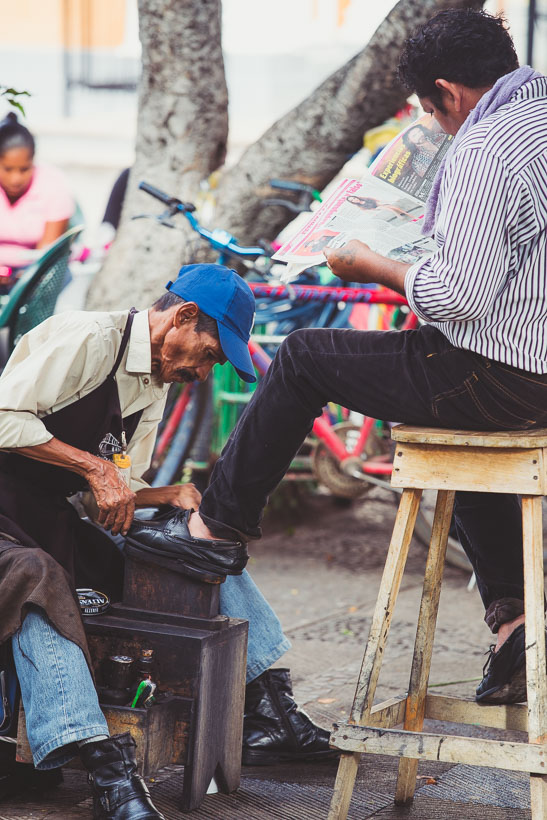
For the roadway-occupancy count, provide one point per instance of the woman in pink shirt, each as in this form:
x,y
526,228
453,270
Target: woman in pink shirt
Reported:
x,y
35,202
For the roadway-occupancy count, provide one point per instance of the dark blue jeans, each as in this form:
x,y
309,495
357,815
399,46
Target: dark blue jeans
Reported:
x,y
413,376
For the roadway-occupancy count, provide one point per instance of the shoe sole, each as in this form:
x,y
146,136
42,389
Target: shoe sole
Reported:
x,y
196,564
257,758
195,574
514,691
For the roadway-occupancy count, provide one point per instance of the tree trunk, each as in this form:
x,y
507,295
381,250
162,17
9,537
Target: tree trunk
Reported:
x,y
313,141
182,132
181,139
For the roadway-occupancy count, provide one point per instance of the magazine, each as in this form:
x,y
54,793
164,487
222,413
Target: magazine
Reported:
x,y
385,209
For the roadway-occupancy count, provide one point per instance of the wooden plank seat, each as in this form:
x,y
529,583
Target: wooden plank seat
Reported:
x,y
446,461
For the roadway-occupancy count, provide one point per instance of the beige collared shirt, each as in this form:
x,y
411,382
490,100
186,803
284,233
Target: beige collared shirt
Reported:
x,y
64,359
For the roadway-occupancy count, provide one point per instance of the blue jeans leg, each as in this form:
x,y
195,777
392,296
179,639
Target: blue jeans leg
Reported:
x,y
57,690
241,598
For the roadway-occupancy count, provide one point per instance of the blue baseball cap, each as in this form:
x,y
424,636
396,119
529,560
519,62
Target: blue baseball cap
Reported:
x,y
221,293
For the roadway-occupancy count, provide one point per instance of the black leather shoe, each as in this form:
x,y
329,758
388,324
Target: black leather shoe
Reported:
x,y
504,672
275,730
119,793
167,535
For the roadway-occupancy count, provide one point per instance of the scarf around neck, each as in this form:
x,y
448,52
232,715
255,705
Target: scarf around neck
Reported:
x,y
498,95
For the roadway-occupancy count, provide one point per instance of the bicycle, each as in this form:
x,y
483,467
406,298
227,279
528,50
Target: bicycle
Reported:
x,y
257,262
280,315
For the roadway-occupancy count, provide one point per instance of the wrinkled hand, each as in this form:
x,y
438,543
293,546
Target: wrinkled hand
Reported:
x,y
178,495
185,496
116,502
351,262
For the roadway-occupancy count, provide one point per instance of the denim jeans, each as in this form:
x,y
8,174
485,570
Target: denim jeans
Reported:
x,y
415,376
57,690
241,598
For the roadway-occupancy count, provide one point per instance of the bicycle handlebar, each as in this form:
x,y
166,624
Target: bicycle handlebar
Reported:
x,y
171,201
306,195
221,241
285,203
290,185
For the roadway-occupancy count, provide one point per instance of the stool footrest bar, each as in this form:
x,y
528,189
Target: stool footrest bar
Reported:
x,y
458,710
499,754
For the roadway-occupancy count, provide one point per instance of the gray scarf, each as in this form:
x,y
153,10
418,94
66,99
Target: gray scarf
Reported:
x,y
498,95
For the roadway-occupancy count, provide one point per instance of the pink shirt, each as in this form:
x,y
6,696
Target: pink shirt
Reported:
x,y
22,224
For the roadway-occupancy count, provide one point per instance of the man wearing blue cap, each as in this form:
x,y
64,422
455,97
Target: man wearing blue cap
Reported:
x,y
227,299
79,390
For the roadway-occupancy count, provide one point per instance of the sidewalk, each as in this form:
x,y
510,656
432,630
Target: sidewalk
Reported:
x,y
322,579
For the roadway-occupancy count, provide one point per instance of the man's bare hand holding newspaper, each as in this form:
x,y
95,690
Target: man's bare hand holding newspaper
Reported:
x,y
356,262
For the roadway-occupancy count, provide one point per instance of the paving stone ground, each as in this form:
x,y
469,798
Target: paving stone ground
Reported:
x,y
321,573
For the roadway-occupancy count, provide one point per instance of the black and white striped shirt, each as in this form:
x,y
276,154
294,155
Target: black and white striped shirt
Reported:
x,y
486,286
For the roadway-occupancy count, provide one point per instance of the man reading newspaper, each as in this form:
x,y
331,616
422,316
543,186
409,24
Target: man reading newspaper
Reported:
x,y
479,361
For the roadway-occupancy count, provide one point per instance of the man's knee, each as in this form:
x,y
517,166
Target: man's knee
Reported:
x,y
33,566
296,347
300,339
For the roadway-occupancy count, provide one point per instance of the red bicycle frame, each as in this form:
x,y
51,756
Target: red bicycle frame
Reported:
x,y
322,426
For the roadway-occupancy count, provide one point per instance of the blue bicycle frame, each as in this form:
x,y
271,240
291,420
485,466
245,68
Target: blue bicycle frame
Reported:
x,y
222,241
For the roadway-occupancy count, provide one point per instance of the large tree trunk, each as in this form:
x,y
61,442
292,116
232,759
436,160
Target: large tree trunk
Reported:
x,y
182,131
181,139
313,141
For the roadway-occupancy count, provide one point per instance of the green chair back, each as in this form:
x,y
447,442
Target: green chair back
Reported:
x,y
32,299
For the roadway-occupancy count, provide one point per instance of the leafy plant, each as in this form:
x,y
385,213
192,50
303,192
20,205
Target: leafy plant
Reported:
x,y
10,94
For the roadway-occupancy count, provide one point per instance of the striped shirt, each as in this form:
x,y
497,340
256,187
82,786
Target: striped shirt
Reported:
x,y
486,286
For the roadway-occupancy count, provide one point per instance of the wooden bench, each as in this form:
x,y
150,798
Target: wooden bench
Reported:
x,y
450,460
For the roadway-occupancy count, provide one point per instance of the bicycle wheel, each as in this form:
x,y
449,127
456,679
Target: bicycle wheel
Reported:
x,y
197,466
172,466
326,467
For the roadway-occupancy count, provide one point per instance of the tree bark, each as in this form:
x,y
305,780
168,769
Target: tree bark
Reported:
x,y
181,138
182,133
313,141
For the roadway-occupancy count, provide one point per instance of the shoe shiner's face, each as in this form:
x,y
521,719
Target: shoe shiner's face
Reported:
x,y
185,355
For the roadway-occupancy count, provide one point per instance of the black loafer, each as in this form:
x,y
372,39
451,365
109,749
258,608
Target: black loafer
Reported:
x,y
504,672
168,535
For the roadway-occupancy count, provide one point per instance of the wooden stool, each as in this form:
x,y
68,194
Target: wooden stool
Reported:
x,y
449,460
200,660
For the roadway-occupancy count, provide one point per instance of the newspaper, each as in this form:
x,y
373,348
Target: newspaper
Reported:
x,y
385,209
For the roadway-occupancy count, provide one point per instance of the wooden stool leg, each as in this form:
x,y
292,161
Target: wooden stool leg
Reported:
x,y
425,634
372,660
535,642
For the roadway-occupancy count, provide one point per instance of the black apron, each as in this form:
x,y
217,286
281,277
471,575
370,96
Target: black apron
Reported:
x,y
33,495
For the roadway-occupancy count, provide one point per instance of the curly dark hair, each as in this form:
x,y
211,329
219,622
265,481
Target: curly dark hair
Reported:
x,y
462,46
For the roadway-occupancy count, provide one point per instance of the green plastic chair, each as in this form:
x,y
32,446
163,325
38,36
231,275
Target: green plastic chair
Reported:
x,y
32,299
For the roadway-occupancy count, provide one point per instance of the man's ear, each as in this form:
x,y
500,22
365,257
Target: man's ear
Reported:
x,y
452,94
185,313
